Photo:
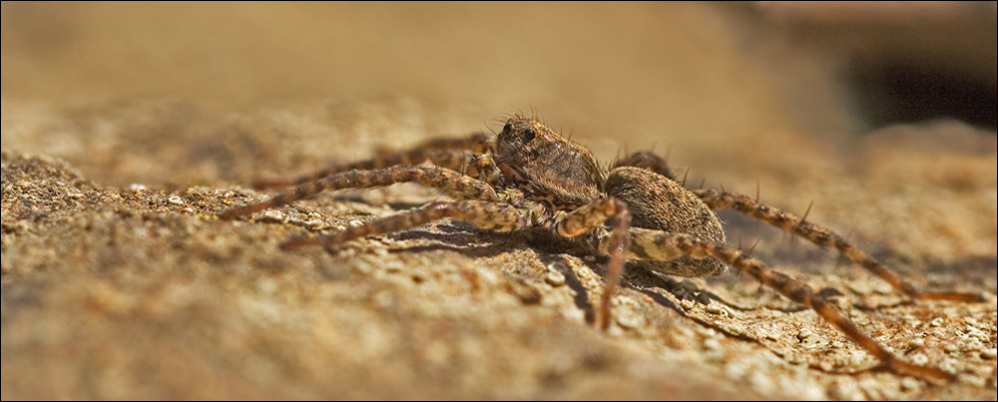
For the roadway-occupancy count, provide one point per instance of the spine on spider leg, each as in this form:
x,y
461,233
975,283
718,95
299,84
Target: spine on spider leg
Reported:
x,y
483,214
793,290
590,216
450,182
822,237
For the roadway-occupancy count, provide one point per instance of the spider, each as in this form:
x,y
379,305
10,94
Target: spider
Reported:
x,y
529,177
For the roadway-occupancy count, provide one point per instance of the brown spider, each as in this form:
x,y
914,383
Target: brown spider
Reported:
x,y
529,177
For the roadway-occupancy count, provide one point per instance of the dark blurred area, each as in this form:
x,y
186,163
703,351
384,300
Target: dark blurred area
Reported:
x,y
903,62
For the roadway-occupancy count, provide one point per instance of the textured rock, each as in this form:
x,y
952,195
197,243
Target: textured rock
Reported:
x,y
116,289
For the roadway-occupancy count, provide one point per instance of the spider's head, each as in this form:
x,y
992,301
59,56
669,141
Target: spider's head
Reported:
x,y
551,165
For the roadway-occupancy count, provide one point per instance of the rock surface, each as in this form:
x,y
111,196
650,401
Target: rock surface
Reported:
x,y
119,288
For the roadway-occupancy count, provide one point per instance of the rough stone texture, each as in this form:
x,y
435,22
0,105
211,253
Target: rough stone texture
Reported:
x,y
117,283
122,289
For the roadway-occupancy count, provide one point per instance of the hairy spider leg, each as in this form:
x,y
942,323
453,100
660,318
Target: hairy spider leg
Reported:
x,y
452,183
587,217
486,215
648,160
453,153
823,237
658,245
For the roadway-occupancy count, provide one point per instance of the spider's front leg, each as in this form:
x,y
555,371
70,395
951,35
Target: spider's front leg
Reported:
x,y
591,216
454,184
657,245
452,153
486,215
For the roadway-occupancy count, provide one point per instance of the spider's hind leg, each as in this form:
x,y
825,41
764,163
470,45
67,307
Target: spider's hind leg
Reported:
x,y
823,237
663,246
646,160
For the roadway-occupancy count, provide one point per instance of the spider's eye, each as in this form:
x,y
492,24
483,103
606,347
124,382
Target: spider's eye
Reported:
x,y
507,127
529,134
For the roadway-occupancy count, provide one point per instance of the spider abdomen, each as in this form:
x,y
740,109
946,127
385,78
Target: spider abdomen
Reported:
x,y
658,203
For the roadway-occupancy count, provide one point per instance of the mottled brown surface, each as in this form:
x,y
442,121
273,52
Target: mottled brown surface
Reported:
x,y
118,283
134,290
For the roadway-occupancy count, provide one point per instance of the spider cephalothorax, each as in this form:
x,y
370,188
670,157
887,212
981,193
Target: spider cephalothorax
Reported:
x,y
545,165
549,167
529,177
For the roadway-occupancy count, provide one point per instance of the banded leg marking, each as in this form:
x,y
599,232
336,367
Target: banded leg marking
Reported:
x,y
452,183
587,217
451,153
658,244
483,214
823,237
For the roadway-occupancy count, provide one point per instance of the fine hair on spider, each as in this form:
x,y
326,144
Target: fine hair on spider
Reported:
x,y
529,177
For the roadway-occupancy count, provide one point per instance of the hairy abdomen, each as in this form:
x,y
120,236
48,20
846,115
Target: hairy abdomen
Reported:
x,y
659,203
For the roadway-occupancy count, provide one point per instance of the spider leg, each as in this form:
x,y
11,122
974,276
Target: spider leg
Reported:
x,y
647,160
486,215
454,184
823,237
587,217
452,153
659,245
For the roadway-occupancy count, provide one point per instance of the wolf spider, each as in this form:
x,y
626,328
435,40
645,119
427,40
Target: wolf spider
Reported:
x,y
528,177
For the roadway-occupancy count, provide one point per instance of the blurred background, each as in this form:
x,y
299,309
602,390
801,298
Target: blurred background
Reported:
x,y
656,74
